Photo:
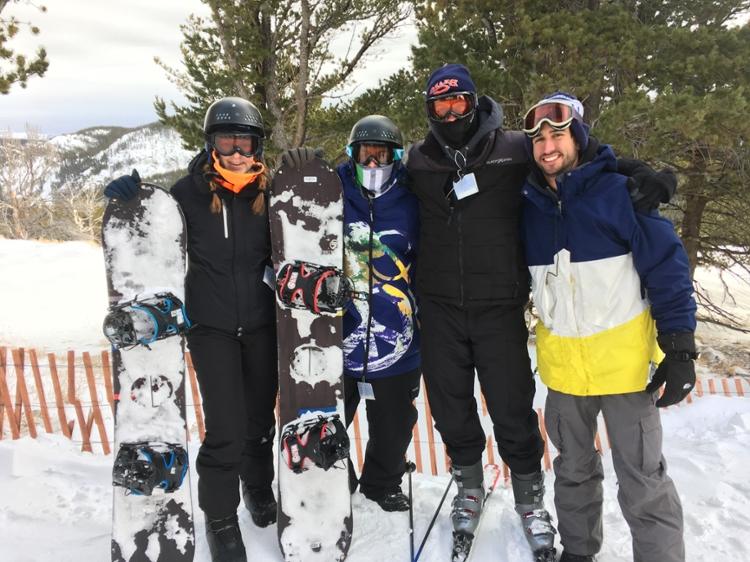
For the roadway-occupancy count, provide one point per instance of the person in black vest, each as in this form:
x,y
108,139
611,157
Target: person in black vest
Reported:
x,y
233,342
473,287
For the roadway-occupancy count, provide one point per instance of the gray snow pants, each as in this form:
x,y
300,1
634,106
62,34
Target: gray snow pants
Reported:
x,y
647,496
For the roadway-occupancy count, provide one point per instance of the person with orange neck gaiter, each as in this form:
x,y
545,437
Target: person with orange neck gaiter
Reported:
x,y
230,301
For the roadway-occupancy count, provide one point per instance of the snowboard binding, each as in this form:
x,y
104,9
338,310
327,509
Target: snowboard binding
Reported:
x,y
312,287
142,467
144,321
321,441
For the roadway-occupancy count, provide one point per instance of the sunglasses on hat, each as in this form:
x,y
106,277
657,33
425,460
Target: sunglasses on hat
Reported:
x,y
558,115
457,104
227,144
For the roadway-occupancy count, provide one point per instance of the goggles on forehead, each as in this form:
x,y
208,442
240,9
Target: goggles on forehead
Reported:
x,y
227,144
379,152
558,115
457,104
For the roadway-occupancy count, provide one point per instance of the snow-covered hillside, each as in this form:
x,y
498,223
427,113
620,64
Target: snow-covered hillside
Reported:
x,y
100,154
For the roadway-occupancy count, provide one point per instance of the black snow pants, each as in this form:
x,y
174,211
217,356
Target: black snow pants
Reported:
x,y
237,375
390,419
490,340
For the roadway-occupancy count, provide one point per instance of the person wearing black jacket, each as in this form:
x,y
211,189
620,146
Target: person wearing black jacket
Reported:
x,y
473,287
231,305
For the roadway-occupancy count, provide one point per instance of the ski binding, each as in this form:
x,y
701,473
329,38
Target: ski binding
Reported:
x,y
145,466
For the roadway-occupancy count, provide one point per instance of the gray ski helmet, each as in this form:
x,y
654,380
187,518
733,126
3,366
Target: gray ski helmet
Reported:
x,y
376,128
233,114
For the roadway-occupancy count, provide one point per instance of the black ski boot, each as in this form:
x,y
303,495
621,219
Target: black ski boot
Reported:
x,y
225,540
389,500
568,557
261,504
528,491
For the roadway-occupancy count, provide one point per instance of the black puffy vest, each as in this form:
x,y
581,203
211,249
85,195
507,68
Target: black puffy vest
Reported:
x,y
470,250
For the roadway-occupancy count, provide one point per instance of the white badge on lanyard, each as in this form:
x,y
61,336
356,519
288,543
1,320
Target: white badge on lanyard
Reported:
x,y
365,390
465,186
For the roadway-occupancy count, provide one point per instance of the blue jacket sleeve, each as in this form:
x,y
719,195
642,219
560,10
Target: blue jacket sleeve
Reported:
x,y
662,264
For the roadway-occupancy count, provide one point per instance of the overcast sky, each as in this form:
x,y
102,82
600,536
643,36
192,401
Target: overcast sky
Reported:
x,y
102,70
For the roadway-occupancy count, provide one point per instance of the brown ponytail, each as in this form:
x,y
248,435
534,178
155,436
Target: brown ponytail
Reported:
x,y
259,203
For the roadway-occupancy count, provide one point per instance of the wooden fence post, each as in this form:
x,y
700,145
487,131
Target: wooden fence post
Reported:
x,y
40,391
65,426
197,398
108,380
83,424
543,431
358,442
430,434
95,410
22,393
15,426
417,447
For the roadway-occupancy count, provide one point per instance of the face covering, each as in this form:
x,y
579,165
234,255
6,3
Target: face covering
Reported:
x,y
373,179
457,133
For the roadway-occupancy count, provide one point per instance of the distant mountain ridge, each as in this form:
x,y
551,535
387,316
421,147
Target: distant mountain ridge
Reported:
x,y
98,154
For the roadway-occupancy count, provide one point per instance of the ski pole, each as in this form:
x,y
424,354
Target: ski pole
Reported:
x,y
411,467
434,517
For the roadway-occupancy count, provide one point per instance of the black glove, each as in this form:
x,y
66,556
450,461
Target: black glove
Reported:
x,y
299,157
647,187
124,187
677,369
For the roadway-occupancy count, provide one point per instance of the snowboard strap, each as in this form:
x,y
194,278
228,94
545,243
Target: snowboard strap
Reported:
x,y
144,466
143,321
322,441
317,288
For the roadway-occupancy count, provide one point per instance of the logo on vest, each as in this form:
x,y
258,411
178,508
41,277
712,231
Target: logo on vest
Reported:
x,y
443,86
498,161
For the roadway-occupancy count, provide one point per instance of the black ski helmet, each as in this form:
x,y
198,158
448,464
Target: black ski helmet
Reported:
x,y
376,128
233,114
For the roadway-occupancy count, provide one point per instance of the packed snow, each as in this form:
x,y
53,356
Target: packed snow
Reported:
x,y
56,501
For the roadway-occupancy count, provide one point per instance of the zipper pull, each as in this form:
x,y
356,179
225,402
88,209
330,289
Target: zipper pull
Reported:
x,y
224,214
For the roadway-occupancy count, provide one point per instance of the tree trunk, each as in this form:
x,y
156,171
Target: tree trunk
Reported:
x,y
303,74
695,205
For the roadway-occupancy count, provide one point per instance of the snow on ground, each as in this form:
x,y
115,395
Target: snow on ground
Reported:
x,y
53,296
55,502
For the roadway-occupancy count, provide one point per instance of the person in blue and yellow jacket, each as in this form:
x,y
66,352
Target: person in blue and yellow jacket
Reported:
x,y
608,284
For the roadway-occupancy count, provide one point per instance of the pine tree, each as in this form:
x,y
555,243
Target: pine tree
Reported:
x,y
275,54
20,67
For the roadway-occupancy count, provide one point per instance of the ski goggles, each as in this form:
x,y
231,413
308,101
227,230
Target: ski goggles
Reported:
x,y
381,153
457,104
558,115
227,144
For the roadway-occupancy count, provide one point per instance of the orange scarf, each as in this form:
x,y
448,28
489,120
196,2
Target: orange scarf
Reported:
x,y
236,181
